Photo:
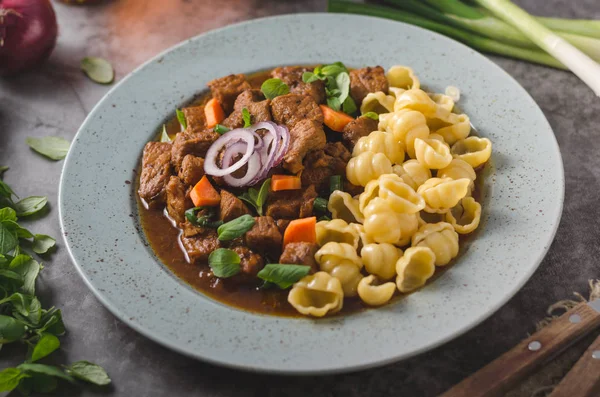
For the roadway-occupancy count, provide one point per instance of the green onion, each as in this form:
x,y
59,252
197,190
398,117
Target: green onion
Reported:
x,y
320,204
477,42
335,183
583,66
221,129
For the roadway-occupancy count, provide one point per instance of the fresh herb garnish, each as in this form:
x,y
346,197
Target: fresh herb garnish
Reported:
x,y
272,88
181,119
98,70
204,217
221,129
235,228
23,318
371,115
224,262
320,204
164,137
324,218
247,117
283,276
3,169
89,372
337,85
335,183
255,198
53,147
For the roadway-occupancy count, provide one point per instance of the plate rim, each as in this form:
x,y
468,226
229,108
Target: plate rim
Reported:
x,y
342,368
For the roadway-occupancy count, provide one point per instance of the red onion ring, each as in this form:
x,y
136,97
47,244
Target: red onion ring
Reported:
x,y
228,138
254,167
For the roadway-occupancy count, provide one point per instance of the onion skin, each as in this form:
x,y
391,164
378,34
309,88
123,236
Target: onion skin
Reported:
x,y
28,32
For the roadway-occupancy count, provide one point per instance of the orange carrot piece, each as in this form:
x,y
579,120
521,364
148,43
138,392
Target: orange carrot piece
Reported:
x,y
301,230
214,113
204,194
334,119
285,182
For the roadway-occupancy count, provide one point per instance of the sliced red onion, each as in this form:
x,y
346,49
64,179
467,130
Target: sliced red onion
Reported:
x,y
284,133
228,138
254,168
231,151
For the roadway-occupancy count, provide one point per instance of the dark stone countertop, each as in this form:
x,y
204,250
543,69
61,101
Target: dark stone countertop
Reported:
x,y
55,99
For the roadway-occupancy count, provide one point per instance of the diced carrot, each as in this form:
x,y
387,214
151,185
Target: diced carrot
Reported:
x,y
204,194
214,113
334,119
285,182
301,230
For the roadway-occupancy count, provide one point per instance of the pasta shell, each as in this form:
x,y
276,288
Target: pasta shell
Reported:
x,y
418,100
336,230
366,167
442,100
377,102
401,197
345,207
442,194
440,238
406,125
414,268
432,153
402,77
457,127
473,150
349,277
375,295
317,294
409,224
465,217
382,224
381,142
380,259
333,254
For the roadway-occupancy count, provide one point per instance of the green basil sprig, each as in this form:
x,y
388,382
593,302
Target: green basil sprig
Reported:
x,y
235,228
255,198
371,115
247,117
53,147
181,119
204,217
224,262
272,88
282,275
337,85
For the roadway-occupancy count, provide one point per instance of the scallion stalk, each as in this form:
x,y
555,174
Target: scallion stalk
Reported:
x,y
582,65
475,41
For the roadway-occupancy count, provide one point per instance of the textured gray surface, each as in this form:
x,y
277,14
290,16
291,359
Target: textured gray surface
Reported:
x,y
55,99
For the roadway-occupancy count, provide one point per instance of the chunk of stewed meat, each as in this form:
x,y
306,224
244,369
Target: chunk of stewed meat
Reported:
x,y
289,204
250,264
301,253
191,170
258,107
292,76
191,143
366,80
231,207
290,109
226,89
356,129
321,165
264,237
282,224
178,200
156,170
199,246
306,135
195,119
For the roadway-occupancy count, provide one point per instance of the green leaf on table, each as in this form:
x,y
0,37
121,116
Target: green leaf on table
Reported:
x,y
98,70
28,268
42,243
164,137
52,322
10,378
27,308
247,117
3,169
41,383
16,229
30,205
224,262
273,88
8,214
43,369
8,239
6,191
47,344
181,118
284,276
10,329
89,372
53,147
235,228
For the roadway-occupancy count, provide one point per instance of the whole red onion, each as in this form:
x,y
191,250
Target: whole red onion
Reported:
x,y
28,33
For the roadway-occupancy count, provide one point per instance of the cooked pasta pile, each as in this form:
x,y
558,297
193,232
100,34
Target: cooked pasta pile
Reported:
x,y
408,218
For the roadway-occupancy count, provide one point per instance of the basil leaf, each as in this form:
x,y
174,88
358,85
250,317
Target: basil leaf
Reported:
x,y
52,322
224,262
3,169
89,372
273,88
44,369
206,220
261,199
334,69
221,129
41,383
181,118
98,70
47,344
342,80
335,183
53,147
6,191
30,205
10,329
235,228
8,214
16,229
42,243
28,269
8,240
11,276
247,117
371,115
164,137
334,103
324,218
10,378
309,77
283,276
349,106
27,308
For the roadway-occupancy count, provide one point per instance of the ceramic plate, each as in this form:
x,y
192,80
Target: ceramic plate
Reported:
x,y
100,220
